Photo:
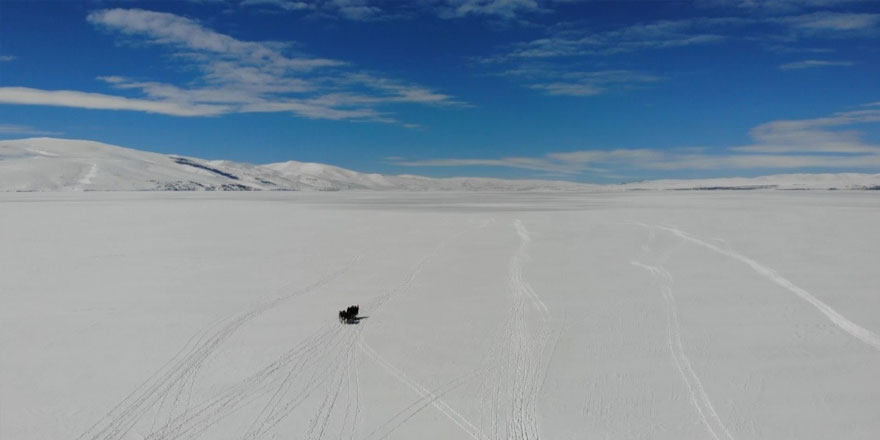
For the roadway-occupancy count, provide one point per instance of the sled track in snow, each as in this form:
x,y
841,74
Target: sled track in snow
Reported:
x,y
176,378
343,372
862,334
519,362
426,396
388,428
698,395
316,373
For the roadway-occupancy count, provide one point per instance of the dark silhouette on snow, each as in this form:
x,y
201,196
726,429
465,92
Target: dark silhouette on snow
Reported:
x,y
349,315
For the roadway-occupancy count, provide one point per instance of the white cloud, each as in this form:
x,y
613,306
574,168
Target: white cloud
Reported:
x,y
183,33
71,98
569,47
358,10
775,6
505,9
697,31
289,5
235,76
6,58
784,144
361,10
315,110
557,81
833,22
355,9
662,34
818,135
568,89
9,129
809,64
575,83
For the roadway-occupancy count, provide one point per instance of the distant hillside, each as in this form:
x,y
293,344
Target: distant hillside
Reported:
x,y
48,164
826,181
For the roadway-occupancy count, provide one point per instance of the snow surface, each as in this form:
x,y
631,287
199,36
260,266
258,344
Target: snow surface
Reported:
x,y
49,164
633,315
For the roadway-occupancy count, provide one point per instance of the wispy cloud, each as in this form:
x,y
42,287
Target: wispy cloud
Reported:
x,y
235,76
561,82
356,10
827,22
793,25
784,144
505,9
554,64
367,10
6,58
25,130
668,34
775,6
644,36
198,42
809,64
818,135
72,98
289,5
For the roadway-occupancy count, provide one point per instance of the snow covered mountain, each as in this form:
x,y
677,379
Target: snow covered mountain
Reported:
x,y
850,181
49,164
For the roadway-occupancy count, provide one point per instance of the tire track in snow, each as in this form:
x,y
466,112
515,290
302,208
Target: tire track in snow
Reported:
x,y
862,334
388,428
425,394
323,363
698,395
521,359
345,369
265,382
432,398
180,371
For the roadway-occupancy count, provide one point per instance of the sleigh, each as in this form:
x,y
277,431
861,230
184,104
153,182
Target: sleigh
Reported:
x,y
349,315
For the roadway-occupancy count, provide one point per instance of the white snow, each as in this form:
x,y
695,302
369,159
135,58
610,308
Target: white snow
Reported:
x,y
778,181
48,164
621,315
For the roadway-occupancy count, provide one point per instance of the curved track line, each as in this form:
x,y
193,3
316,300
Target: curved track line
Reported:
x,y
519,259
862,334
695,388
424,393
178,373
521,359
415,408
323,363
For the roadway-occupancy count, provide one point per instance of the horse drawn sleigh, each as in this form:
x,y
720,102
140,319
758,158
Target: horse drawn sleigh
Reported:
x,y
349,315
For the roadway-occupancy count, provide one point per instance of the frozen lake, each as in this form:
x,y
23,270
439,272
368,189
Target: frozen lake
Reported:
x,y
642,315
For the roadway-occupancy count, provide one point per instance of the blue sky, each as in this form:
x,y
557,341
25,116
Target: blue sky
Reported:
x,y
594,91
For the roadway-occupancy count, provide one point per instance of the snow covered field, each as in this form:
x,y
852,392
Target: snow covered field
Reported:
x,y
647,315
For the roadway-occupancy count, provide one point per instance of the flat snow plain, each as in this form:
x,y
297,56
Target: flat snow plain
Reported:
x,y
650,315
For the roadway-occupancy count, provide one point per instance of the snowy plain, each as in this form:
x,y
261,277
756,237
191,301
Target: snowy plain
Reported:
x,y
641,315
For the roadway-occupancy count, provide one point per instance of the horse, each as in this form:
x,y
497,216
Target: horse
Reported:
x,y
349,314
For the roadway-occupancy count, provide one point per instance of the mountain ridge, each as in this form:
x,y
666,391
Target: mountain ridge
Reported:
x,y
53,164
